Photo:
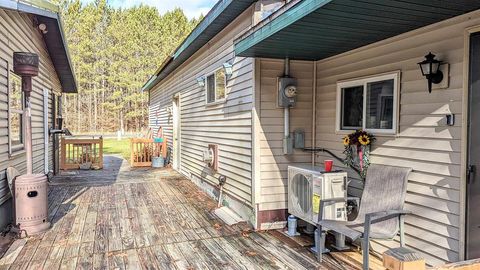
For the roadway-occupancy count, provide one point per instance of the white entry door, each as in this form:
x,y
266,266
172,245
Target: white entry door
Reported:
x,y
176,132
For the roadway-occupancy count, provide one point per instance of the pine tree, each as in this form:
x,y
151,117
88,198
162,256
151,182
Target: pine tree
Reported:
x,y
114,52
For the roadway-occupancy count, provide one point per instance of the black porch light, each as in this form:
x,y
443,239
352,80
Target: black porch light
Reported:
x,y
430,68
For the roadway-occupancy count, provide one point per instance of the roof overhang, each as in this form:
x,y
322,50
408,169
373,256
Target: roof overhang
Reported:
x,y
318,29
48,14
221,15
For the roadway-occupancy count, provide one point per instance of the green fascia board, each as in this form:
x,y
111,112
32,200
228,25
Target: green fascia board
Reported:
x,y
219,17
216,11
149,84
289,17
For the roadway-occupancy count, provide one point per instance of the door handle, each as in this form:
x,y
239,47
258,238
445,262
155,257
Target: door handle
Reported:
x,y
471,169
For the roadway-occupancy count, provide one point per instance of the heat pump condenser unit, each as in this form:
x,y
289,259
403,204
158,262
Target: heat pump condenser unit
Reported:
x,y
307,185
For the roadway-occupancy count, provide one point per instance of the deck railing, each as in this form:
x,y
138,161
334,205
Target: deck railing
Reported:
x,y
75,152
143,150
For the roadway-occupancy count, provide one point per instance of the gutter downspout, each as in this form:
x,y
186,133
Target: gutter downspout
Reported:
x,y
314,112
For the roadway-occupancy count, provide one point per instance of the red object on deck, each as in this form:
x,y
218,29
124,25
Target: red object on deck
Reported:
x,y
328,165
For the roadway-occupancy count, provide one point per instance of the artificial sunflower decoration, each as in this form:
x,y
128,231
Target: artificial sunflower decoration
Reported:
x,y
364,140
346,140
357,150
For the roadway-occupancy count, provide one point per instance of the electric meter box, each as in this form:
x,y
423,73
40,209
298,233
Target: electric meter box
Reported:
x,y
287,92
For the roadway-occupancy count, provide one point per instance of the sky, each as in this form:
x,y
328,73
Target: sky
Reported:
x,y
191,8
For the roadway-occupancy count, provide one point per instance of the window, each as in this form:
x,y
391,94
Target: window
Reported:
x,y
369,104
215,86
15,113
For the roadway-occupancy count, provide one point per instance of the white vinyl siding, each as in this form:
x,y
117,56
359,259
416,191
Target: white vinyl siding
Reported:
x,y
18,34
273,163
423,142
227,123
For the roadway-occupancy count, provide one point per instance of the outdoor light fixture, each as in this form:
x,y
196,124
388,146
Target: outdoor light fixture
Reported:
x,y
430,68
201,81
43,28
228,69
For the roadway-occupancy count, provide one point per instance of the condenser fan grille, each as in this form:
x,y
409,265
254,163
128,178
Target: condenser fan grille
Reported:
x,y
302,193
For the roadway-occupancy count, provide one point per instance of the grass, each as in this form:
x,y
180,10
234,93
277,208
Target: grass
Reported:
x,y
113,146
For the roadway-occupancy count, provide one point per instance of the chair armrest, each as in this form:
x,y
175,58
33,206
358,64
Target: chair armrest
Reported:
x,y
372,218
327,202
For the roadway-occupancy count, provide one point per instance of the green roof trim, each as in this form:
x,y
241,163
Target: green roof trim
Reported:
x,y
317,29
219,17
216,11
289,17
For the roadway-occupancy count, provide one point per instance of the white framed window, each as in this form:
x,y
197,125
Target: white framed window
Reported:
x,y
16,103
368,103
215,86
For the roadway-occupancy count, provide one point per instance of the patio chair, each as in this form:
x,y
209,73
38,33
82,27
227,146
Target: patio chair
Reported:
x,y
380,214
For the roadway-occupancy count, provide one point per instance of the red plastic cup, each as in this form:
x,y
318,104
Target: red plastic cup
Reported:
x,y
328,165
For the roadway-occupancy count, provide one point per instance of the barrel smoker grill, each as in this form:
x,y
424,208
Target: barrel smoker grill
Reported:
x,y
30,190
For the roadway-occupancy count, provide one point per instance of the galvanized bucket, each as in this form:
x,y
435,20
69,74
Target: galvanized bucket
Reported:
x,y
158,162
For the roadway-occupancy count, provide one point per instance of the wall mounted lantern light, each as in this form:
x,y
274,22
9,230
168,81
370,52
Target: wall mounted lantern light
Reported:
x,y
201,81
430,68
228,67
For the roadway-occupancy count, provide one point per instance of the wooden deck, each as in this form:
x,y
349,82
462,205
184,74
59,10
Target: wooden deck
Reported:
x,y
121,218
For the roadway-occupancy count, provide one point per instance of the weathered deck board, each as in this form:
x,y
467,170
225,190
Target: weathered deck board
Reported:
x,y
148,219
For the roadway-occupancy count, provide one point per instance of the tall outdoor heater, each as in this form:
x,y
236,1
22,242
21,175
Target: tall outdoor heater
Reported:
x,y
30,190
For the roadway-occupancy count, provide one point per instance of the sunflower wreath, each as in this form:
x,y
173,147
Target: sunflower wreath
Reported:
x,y
357,150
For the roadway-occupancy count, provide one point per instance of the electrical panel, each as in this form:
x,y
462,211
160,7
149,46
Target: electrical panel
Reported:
x,y
287,92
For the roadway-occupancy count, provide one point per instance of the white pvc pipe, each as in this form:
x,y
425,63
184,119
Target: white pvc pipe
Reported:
x,y
286,124
45,130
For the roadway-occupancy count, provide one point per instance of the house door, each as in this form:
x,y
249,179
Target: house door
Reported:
x,y
473,173
56,108
176,132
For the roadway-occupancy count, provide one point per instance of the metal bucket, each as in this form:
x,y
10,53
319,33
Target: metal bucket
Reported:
x,y
30,202
158,162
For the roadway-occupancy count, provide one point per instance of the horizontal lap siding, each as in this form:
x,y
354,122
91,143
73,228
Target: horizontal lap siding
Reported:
x,y
228,124
273,163
18,34
424,141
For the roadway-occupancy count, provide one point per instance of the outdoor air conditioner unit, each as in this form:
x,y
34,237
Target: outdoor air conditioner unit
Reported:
x,y
307,185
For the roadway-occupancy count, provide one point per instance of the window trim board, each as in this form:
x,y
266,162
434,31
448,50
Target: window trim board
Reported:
x,y
362,81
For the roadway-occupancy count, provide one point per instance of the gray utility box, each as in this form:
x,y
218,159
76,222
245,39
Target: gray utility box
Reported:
x,y
287,92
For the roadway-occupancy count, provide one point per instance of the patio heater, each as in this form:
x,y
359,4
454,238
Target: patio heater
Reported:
x,y
30,190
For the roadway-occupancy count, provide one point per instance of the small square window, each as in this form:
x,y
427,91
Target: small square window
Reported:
x,y
369,104
215,86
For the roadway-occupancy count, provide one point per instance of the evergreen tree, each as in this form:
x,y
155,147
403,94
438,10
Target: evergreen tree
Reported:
x,y
114,51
